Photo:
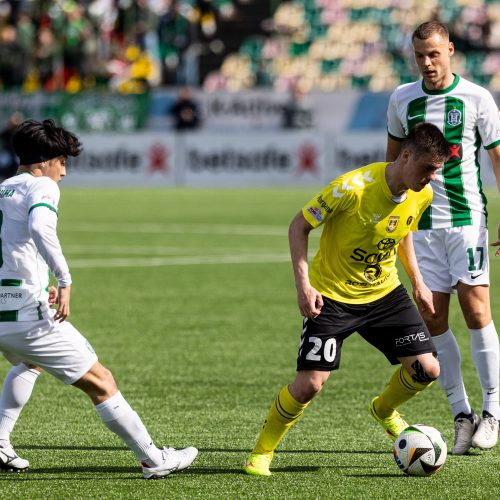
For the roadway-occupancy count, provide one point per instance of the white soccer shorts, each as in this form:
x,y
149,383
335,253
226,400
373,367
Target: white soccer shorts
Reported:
x,y
58,348
447,256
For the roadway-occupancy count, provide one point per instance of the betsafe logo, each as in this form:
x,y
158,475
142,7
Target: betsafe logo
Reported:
x,y
158,156
308,159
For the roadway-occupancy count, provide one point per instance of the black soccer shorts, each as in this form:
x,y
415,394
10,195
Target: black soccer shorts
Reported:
x,y
392,324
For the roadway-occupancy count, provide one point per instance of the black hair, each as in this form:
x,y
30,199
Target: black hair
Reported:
x,y
426,138
35,142
429,29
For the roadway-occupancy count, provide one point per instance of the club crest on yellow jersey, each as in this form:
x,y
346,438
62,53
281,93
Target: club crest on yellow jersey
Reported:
x,y
392,224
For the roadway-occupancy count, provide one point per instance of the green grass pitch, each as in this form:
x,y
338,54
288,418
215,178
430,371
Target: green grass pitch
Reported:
x,y
187,296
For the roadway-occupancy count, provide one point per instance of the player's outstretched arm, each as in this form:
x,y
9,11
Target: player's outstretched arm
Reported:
x,y
495,161
309,299
421,293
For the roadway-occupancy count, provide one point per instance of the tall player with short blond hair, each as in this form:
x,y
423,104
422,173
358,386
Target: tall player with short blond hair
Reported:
x,y
452,242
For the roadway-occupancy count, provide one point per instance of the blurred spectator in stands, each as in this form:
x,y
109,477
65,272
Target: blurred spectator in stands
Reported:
x,y
78,45
25,31
174,36
296,113
185,111
48,60
13,60
8,158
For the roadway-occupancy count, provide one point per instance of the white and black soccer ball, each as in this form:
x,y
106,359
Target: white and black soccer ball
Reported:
x,y
420,450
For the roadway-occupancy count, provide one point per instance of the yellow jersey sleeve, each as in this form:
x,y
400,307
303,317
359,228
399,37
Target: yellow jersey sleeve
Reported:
x,y
331,201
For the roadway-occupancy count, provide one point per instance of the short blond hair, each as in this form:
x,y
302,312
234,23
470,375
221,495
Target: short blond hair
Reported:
x,y
429,29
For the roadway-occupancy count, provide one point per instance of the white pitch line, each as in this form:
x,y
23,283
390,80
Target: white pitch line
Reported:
x,y
168,228
179,261
140,250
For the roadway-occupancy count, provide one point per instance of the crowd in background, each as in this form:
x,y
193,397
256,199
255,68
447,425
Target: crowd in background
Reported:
x,y
121,44
329,45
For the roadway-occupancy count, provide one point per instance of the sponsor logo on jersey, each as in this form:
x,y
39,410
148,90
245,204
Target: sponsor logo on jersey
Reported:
x,y
410,220
316,213
7,193
455,151
454,117
324,205
360,255
408,339
392,224
372,272
386,243
368,284
376,218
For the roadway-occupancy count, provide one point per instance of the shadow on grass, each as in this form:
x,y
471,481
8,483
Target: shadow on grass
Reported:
x,y
285,452
201,450
69,447
385,474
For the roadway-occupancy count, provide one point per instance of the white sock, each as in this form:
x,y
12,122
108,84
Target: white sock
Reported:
x,y
450,378
485,352
16,391
120,418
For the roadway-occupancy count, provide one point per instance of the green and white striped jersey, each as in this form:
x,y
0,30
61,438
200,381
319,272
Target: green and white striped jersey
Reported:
x,y
468,117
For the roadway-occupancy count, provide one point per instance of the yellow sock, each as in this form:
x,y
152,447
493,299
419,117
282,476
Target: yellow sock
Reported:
x,y
400,389
283,414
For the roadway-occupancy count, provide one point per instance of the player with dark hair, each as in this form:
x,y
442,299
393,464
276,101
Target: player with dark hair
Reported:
x,y
368,215
32,334
452,242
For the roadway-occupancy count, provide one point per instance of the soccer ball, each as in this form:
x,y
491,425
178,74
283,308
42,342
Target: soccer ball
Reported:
x,y
420,450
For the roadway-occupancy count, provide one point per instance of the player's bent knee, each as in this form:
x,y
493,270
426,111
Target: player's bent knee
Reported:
x,y
108,383
98,383
426,372
304,389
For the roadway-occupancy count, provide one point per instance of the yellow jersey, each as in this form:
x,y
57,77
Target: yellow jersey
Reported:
x,y
363,225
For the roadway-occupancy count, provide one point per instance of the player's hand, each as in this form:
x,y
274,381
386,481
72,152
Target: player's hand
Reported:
x,y
310,302
62,304
497,243
423,298
53,295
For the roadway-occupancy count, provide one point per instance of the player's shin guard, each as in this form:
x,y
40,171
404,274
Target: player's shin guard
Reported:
x,y
485,352
400,389
16,391
283,414
120,418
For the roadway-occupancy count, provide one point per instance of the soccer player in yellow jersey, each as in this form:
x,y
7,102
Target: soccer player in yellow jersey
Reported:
x,y
368,215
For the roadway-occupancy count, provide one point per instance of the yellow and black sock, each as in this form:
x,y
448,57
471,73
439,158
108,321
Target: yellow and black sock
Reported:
x,y
283,414
400,389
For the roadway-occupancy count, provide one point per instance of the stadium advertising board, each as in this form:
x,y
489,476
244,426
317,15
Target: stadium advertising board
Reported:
x,y
353,150
272,159
86,111
124,160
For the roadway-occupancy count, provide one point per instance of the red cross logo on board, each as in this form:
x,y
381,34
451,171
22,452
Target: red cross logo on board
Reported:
x,y
308,158
158,155
455,151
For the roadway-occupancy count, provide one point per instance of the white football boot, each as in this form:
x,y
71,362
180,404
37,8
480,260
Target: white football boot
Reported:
x,y
11,461
173,461
486,435
465,427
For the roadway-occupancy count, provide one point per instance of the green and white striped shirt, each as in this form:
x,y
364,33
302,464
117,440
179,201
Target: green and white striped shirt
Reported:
x,y
468,117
